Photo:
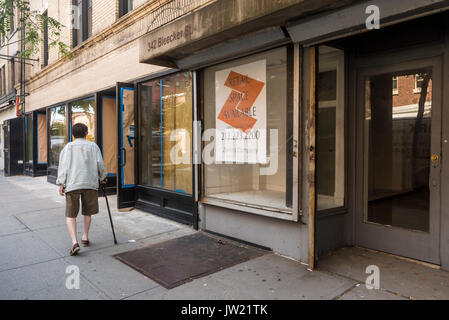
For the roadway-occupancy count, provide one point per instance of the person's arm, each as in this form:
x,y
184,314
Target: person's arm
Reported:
x,y
100,165
62,171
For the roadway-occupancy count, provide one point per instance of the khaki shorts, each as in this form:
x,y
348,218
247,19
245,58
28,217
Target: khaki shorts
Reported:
x,y
89,201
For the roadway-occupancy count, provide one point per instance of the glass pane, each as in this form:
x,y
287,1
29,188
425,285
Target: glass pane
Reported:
x,y
29,138
127,144
330,136
83,111
398,149
58,133
79,23
248,160
166,132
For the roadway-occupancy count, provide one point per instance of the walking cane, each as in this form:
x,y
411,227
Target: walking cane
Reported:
x,y
109,211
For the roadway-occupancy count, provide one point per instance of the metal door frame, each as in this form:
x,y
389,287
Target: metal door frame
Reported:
x,y
368,234
172,205
125,194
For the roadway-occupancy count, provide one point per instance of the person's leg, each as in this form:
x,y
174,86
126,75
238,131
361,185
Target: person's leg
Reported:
x,y
87,221
72,208
89,200
71,225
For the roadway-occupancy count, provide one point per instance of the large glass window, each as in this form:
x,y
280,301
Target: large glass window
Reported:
x,y
29,138
248,132
125,6
83,111
398,149
58,133
330,135
82,21
165,126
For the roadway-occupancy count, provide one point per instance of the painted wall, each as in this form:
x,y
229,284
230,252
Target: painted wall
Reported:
x,y
281,236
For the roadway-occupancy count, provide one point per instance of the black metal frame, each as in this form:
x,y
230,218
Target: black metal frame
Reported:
x,y
165,203
35,169
52,172
14,144
125,198
111,184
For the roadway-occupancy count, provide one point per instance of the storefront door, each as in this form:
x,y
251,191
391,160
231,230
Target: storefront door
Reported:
x,y
165,130
398,156
13,147
6,147
126,145
105,102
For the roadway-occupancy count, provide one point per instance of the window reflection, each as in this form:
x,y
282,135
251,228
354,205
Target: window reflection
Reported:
x,y
58,133
166,133
83,111
330,156
398,149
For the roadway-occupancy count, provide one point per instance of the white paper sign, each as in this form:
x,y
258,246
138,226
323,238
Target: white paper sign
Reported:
x,y
241,114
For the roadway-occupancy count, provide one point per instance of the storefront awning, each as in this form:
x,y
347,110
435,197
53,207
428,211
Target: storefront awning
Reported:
x,y
223,21
353,19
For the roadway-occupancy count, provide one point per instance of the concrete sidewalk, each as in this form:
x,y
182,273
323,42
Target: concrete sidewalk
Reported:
x,y
34,246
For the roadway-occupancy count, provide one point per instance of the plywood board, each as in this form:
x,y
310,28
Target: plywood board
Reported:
x,y
42,138
109,135
128,135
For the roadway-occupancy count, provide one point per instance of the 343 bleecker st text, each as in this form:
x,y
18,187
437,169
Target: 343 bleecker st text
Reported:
x,y
228,310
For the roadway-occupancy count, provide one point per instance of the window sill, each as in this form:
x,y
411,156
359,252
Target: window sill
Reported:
x,y
321,214
250,208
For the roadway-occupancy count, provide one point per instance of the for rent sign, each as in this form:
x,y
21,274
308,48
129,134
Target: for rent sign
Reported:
x,y
241,114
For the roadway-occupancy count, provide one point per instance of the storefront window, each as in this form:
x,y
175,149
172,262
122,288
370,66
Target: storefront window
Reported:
x,y
83,111
41,132
248,132
58,133
165,126
29,138
330,172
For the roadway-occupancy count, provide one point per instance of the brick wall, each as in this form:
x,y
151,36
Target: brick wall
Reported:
x,y
406,94
104,14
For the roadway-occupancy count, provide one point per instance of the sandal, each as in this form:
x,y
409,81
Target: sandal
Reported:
x,y
75,249
85,242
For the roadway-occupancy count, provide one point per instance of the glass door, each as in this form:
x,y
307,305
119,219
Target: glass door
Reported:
x,y
57,138
106,111
165,179
125,145
399,158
